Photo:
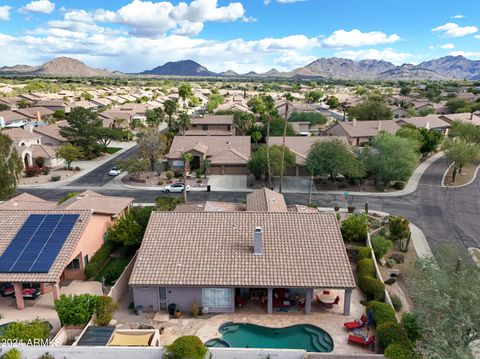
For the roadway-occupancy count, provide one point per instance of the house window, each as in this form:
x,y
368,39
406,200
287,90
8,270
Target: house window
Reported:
x,y
217,297
204,127
75,264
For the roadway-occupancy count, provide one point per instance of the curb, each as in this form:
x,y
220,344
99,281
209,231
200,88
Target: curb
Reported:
x,y
474,177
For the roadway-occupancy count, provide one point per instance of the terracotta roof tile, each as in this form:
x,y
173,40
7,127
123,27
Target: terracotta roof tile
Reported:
x,y
265,200
97,203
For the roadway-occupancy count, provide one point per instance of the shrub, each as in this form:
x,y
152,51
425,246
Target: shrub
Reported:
x,y
76,309
351,209
364,252
398,257
111,275
12,354
410,324
77,168
382,312
68,196
178,173
169,174
166,204
390,333
396,302
399,228
372,287
186,347
366,268
55,178
46,355
195,310
105,309
400,351
32,171
45,170
160,183
39,161
391,263
27,331
354,228
399,185
381,246
98,259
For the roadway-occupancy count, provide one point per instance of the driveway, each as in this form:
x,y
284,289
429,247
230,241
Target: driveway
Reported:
x,y
232,183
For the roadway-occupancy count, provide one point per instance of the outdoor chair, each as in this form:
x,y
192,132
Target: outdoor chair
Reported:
x,y
363,341
356,323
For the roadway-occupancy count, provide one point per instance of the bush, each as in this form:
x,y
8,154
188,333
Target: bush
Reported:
x,y
366,267
381,246
160,183
32,171
111,275
372,287
27,331
382,312
186,347
12,354
166,204
169,175
76,309
400,351
354,228
410,324
364,252
98,260
178,174
68,196
45,170
77,169
105,309
399,185
39,162
396,302
391,263
399,228
55,178
398,257
390,333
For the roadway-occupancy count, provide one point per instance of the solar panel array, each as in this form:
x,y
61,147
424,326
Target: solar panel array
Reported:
x,y
37,244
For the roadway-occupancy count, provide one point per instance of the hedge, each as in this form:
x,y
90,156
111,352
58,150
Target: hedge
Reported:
x,y
382,312
367,281
363,252
391,333
400,351
366,267
98,260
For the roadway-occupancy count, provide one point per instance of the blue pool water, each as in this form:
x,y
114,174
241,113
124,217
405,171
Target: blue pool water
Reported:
x,y
303,336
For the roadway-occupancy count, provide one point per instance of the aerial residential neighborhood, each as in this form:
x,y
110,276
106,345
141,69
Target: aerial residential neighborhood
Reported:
x,y
239,179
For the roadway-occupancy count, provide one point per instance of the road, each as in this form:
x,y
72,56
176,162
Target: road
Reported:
x,y
99,176
443,214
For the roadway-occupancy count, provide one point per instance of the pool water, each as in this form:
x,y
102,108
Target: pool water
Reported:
x,y
303,336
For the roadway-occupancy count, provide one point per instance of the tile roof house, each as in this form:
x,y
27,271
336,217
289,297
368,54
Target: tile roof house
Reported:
x,y
227,154
50,134
37,114
361,132
27,201
266,200
98,203
212,258
431,122
212,125
463,117
300,146
13,119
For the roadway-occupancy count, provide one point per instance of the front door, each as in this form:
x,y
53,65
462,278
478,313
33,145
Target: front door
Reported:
x,y
163,298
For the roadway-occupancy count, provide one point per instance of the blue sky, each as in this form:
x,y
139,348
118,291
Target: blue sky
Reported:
x,y
242,35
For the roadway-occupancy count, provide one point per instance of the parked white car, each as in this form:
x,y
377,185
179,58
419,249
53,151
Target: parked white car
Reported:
x,y
114,172
176,188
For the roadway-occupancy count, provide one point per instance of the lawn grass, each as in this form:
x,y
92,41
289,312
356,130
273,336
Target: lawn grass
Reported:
x,y
115,264
112,150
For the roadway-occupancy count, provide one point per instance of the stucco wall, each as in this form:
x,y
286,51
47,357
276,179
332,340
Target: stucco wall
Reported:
x,y
147,297
184,297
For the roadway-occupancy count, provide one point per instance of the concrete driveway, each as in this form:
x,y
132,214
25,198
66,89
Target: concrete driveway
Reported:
x,y
228,183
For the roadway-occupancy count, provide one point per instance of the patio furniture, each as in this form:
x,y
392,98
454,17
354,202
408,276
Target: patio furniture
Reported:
x,y
326,292
240,301
356,323
337,300
327,300
362,340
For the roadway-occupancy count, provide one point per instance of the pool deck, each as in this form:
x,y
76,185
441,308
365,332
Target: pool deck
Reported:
x,y
206,327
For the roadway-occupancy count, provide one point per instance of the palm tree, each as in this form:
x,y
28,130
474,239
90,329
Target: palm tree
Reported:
x,y
184,121
170,108
187,158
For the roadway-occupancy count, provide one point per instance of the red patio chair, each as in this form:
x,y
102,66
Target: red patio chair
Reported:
x,y
356,323
363,341
326,292
337,300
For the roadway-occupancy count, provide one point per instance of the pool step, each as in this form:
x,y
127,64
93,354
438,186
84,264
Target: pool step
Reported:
x,y
318,340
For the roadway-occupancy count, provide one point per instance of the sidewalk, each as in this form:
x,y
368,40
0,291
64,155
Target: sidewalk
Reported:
x,y
87,166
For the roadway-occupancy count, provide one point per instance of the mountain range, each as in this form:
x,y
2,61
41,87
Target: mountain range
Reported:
x,y
444,68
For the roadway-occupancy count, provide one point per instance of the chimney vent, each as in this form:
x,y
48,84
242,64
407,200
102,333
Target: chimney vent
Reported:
x,y
379,125
258,241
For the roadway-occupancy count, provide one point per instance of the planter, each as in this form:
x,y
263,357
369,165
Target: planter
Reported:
x,y
178,314
351,209
336,208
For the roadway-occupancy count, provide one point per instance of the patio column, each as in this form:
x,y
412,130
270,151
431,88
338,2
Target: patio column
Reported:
x,y
347,301
56,291
19,295
308,300
269,300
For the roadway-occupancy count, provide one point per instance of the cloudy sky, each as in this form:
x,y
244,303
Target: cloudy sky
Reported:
x,y
241,35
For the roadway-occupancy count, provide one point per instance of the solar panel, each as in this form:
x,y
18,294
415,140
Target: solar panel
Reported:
x,y
37,244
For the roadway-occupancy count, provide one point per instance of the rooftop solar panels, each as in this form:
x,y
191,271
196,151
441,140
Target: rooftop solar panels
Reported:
x,y
37,244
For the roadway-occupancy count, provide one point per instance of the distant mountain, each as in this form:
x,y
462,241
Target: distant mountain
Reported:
x,y
228,73
251,74
61,66
272,73
410,72
458,67
180,68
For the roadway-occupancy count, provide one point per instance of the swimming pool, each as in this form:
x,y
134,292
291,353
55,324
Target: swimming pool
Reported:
x,y
245,335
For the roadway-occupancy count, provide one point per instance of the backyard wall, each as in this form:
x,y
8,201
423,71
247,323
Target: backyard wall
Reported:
x,y
121,285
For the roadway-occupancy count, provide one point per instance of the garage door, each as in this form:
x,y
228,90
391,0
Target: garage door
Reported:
x,y
228,170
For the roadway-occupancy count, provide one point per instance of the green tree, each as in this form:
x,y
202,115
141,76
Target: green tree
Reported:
x,y
332,102
373,109
275,127
23,332
460,153
194,101
11,167
245,123
107,135
258,163
87,96
170,108
390,158
465,131
214,101
185,91
133,165
152,146
24,104
155,117
128,231
314,118
446,291
76,309
355,228
184,121
84,130
313,96
4,107
256,104
59,115
106,307
426,111
333,158
405,90
69,153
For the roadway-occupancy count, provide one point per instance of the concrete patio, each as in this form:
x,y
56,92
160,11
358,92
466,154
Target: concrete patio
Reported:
x,y
43,307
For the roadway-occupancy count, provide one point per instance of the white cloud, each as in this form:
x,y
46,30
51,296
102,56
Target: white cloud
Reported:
x,y
207,10
356,38
447,46
454,30
458,17
39,6
387,55
5,13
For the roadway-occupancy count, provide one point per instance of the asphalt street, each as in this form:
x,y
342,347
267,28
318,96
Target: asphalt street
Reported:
x,y
443,214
